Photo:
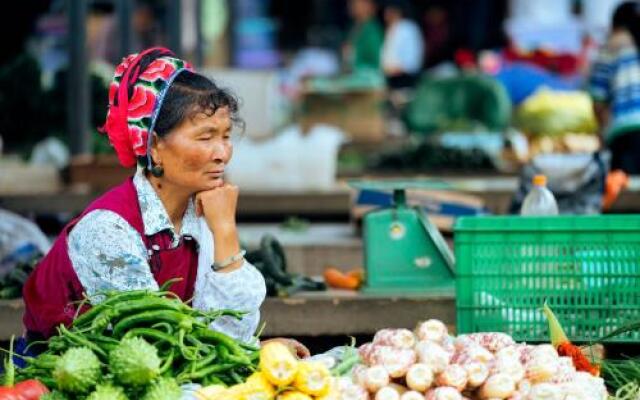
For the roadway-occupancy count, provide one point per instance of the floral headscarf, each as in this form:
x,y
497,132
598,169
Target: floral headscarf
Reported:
x,y
134,106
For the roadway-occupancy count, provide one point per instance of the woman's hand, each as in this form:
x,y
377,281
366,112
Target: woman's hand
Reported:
x,y
297,348
218,206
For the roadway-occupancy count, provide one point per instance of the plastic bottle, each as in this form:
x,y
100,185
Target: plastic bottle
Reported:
x,y
540,200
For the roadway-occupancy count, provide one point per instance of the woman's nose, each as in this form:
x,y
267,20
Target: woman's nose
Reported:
x,y
221,152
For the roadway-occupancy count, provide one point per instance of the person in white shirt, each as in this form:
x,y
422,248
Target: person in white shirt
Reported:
x,y
403,48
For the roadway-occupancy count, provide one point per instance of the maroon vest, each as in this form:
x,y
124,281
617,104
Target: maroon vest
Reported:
x,y
52,291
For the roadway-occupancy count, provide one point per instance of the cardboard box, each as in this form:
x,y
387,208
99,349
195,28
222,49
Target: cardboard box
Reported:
x,y
17,177
442,207
100,172
360,114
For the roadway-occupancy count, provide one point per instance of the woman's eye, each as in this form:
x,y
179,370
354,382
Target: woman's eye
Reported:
x,y
204,138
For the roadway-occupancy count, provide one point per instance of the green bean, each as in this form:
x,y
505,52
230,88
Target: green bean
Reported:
x,y
206,371
221,338
81,341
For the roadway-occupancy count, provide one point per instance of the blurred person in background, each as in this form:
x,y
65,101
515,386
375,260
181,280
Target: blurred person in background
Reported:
x,y
364,43
615,88
403,47
437,35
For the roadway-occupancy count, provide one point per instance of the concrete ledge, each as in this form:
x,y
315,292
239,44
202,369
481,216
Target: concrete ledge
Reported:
x,y
334,312
351,313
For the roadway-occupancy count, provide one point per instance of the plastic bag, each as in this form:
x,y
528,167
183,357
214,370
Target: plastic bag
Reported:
x,y
576,181
22,244
290,161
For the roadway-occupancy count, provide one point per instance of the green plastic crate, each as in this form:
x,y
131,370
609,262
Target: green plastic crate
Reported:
x,y
586,267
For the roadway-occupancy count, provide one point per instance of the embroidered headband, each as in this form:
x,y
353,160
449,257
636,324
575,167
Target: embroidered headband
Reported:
x,y
136,94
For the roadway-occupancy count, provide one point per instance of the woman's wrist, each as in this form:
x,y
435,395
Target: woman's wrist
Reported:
x,y
227,245
224,228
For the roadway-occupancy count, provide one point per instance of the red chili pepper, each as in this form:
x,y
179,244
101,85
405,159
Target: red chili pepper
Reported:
x,y
26,390
581,362
564,346
9,393
30,389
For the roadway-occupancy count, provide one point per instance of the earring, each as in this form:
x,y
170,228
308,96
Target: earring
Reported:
x,y
157,171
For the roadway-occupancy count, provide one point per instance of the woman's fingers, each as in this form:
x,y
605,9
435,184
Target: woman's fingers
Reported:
x,y
301,350
297,348
218,206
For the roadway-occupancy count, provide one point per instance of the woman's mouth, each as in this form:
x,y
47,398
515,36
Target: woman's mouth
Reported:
x,y
216,174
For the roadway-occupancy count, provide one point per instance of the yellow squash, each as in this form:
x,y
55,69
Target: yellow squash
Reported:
x,y
313,378
258,387
294,395
278,364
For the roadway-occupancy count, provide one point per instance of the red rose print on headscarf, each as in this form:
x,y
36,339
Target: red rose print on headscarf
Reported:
x,y
158,69
122,67
129,117
138,137
142,102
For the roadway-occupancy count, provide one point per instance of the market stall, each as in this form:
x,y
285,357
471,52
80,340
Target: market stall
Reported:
x,y
452,233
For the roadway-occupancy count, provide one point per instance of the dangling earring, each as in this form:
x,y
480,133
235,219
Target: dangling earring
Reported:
x,y
157,171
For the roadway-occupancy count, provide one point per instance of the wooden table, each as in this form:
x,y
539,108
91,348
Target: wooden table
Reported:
x,y
495,191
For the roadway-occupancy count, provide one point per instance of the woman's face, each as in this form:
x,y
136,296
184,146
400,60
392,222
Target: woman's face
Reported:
x,y
195,153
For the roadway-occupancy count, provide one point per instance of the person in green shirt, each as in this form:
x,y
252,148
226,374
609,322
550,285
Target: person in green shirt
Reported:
x,y
364,43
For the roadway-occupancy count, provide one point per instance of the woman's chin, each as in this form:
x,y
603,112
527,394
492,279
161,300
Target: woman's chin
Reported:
x,y
213,183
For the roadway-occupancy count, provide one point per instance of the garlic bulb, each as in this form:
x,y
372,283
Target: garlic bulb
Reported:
x,y
433,330
412,395
375,378
419,377
541,368
387,393
544,350
497,386
545,391
400,338
395,360
390,392
472,352
358,374
509,364
443,393
492,341
477,373
454,376
433,355
350,391
524,386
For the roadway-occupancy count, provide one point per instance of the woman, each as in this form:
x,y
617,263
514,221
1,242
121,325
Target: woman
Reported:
x,y
174,219
615,88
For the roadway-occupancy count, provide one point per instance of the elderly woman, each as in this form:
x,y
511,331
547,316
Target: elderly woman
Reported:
x,y
174,219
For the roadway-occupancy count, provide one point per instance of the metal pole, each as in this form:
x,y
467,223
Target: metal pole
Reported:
x,y
231,29
78,80
199,37
123,8
174,27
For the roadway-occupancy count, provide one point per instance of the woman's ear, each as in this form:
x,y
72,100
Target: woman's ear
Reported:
x,y
155,149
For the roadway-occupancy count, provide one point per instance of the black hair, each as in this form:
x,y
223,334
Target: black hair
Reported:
x,y
191,94
403,6
627,16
